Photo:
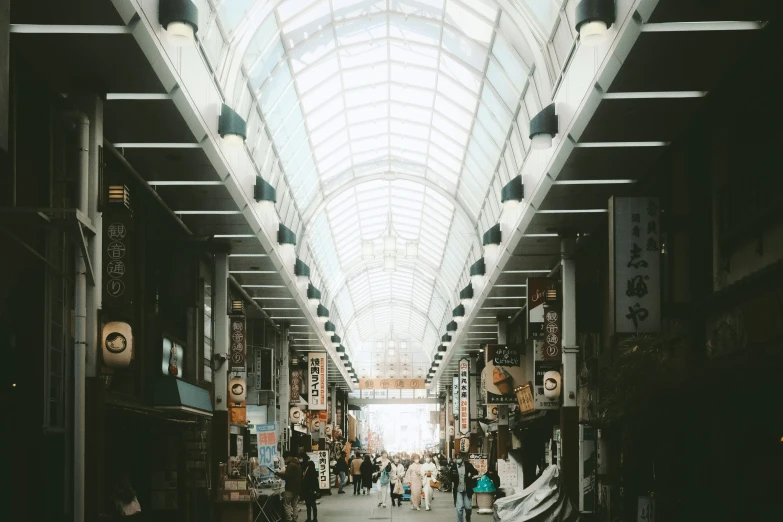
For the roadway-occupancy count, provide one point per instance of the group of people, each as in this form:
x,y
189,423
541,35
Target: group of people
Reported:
x,y
301,480
392,476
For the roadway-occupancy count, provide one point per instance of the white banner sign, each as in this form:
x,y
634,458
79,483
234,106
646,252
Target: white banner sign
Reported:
x,y
464,396
636,254
317,387
267,444
321,460
455,396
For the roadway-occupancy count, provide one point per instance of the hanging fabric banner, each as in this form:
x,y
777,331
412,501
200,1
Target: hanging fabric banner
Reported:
x,y
464,396
317,391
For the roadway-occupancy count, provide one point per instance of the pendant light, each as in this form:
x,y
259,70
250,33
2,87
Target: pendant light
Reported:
x,y
511,195
313,295
459,314
390,345
466,296
491,241
477,273
237,389
322,314
287,241
543,127
231,127
389,263
368,250
412,250
266,197
593,20
180,19
302,273
446,340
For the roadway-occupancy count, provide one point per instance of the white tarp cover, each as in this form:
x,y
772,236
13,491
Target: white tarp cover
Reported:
x,y
543,501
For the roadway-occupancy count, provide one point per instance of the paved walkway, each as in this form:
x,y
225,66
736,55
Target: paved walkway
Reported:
x,y
363,508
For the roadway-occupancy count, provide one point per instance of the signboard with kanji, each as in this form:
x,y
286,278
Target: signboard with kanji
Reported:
x,y
391,384
321,461
479,461
464,396
635,251
267,444
237,352
537,290
317,387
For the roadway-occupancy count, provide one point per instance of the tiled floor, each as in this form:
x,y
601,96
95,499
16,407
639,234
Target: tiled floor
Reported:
x,y
363,508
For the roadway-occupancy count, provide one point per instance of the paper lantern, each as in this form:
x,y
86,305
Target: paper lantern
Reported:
x,y
237,389
117,344
552,381
295,415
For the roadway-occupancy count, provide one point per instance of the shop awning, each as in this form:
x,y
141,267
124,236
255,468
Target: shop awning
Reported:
x,y
175,394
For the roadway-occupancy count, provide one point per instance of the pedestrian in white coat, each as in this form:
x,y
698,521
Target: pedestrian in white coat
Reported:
x,y
396,476
428,473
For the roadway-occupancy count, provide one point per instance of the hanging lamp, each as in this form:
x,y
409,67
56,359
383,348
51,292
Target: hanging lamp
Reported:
x,y
313,295
593,20
266,197
452,326
459,314
330,327
477,272
336,341
491,241
446,340
466,296
543,127
302,273
287,241
322,314
180,19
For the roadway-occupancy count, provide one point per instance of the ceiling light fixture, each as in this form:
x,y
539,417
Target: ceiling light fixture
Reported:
x,y
231,126
466,296
543,127
491,241
459,314
477,272
593,20
180,19
313,295
302,273
330,327
452,326
446,340
266,197
287,241
322,314
336,341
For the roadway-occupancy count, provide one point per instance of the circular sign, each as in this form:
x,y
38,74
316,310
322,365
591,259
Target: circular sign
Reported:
x,y
116,231
316,424
115,287
237,326
369,383
116,250
237,336
399,384
385,384
236,358
115,269
115,342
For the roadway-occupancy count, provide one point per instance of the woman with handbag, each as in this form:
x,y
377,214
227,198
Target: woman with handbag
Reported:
x,y
396,476
413,478
428,473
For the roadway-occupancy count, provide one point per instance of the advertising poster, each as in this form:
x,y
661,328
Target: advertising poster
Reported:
x,y
172,363
267,444
317,389
479,461
464,397
498,382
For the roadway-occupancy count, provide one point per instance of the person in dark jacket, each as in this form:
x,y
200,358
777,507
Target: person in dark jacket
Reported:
x,y
463,478
341,468
310,488
293,487
367,469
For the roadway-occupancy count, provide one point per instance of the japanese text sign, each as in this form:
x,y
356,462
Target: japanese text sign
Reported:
x,y
635,250
237,343
391,384
537,289
455,396
317,388
267,444
464,396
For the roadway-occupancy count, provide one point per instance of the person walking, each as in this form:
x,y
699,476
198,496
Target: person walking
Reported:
x,y
341,468
463,476
384,471
395,483
367,470
310,488
356,471
428,473
293,487
413,479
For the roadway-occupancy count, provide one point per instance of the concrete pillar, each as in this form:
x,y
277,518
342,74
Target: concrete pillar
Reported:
x,y
569,414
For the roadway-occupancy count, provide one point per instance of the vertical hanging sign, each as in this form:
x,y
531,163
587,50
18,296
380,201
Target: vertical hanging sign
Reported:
x,y
635,251
455,396
464,396
537,289
237,343
118,286
547,359
317,392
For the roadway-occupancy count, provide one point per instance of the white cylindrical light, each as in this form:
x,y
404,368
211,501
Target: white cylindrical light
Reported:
x,y
268,215
593,33
477,281
542,141
179,33
288,254
412,250
389,244
491,253
389,263
233,140
368,250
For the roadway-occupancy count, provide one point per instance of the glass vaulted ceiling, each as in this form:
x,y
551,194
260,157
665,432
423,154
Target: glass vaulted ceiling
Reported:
x,y
409,111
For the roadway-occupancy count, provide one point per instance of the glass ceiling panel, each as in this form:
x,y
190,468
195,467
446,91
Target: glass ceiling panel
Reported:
x,y
354,91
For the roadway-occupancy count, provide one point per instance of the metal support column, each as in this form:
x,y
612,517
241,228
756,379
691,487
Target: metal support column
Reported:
x,y
80,323
285,394
569,415
221,330
504,437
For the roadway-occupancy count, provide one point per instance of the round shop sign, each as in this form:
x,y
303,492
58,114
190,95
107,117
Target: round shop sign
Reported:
x,y
115,342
